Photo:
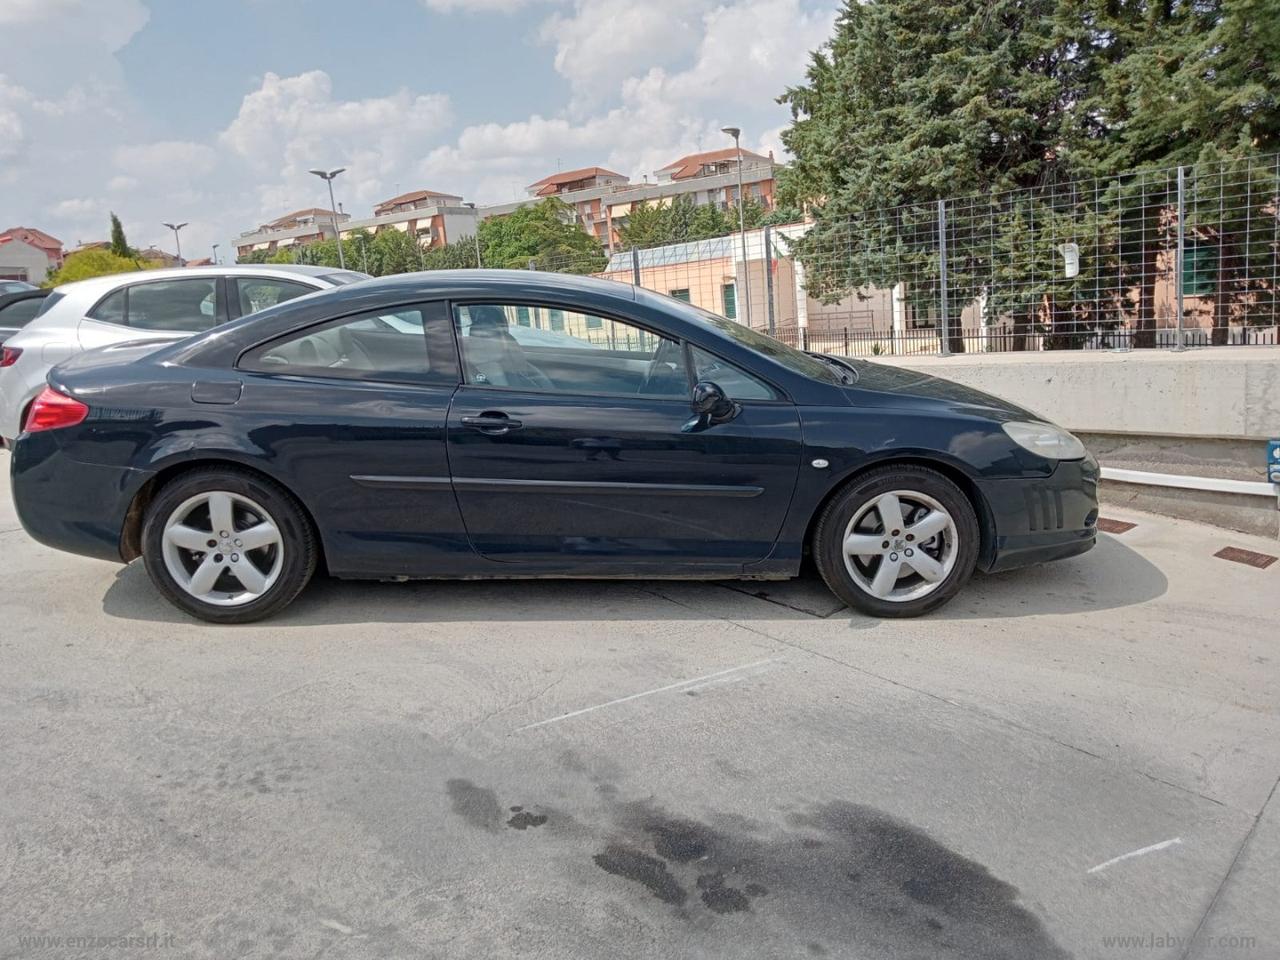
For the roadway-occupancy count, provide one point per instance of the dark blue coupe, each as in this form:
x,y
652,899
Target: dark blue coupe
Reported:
x,y
514,424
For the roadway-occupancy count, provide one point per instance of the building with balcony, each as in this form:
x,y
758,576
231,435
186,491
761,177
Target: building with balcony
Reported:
x,y
293,229
432,218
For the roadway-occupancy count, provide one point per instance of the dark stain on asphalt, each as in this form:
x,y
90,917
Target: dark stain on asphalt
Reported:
x,y
523,820
477,805
837,872
649,872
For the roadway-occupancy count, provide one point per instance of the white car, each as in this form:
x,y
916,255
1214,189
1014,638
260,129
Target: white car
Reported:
x,y
147,305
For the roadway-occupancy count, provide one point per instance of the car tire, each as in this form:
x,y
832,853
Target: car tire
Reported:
x,y
911,566
223,570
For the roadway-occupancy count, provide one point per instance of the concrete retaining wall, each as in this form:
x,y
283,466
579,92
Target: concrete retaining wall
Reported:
x,y
1204,413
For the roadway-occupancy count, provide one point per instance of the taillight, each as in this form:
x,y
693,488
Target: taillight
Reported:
x,y
52,410
9,356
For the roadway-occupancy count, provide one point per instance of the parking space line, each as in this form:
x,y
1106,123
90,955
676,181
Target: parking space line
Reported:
x,y
648,693
1135,853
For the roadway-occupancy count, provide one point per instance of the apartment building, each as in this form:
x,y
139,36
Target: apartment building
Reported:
x,y
430,217
293,229
603,199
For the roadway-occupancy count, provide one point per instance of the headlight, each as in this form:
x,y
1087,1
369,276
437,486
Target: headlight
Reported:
x,y
1045,440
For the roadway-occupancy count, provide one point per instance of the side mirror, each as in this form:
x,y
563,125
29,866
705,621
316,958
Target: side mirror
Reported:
x,y
710,406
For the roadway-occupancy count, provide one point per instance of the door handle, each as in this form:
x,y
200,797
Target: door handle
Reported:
x,y
492,423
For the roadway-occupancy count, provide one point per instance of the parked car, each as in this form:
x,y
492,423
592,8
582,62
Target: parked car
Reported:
x,y
18,308
15,286
148,305
398,428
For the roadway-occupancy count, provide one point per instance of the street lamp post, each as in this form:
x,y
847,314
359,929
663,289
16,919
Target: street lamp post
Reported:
x,y
177,241
475,228
327,176
215,254
736,133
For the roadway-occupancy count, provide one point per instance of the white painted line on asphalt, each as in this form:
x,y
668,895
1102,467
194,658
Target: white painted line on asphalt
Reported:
x,y
650,693
335,925
1135,853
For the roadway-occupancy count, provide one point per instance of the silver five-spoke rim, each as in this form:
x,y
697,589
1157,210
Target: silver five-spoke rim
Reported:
x,y
222,548
900,546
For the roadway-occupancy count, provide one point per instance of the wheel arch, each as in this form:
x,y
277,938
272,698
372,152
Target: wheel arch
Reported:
x,y
131,532
948,469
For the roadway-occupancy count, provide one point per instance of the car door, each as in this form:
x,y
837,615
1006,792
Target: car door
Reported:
x,y
571,447
352,411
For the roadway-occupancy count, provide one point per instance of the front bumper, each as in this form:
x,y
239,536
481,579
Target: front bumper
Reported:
x,y
69,505
1043,519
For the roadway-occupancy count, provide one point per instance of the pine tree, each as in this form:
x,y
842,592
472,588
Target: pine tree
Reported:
x,y
119,246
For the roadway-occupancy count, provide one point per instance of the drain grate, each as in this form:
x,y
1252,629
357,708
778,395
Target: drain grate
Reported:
x,y
1107,525
1248,557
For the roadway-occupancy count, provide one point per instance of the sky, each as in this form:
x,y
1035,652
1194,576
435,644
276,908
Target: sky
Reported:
x,y
212,112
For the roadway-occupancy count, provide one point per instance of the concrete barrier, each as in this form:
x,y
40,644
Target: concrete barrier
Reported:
x,y
1204,413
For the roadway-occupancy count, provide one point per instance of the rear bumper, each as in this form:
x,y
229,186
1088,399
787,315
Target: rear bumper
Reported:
x,y
1035,521
69,505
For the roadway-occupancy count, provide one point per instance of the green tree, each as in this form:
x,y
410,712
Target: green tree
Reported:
x,y
119,245
914,101
543,234
95,263
253,256
459,255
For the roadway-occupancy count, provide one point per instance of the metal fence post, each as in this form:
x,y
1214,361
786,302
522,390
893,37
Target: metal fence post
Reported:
x,y
1179,261
942,272
768,273
635,266
533,264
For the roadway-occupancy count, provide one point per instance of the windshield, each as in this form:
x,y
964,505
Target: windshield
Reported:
x,y
789,357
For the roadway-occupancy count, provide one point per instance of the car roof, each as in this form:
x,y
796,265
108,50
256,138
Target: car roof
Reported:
x,y
104,284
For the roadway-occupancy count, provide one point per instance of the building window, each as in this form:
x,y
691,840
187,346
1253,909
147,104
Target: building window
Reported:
x,y
556,319
730,294
522,317
681,294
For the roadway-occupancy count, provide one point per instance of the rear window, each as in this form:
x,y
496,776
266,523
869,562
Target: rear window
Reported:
x,y
342,277
49,301
19,312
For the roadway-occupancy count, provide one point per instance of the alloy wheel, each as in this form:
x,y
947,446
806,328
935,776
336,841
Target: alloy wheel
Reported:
x,y
900,546
222,548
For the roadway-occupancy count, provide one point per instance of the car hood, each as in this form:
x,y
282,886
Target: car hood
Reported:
x,y
882,385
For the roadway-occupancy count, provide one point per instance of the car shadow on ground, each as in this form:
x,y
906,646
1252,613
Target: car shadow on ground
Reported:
x,y
1108,577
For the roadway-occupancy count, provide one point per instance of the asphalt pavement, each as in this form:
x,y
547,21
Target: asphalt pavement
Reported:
x,y
1076,760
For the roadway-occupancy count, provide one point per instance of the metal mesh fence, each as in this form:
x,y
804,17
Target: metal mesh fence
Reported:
x,y
1168,258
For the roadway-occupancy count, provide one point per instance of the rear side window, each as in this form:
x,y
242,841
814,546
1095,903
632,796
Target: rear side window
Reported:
x,y
391,347
18,313
258,293
180,306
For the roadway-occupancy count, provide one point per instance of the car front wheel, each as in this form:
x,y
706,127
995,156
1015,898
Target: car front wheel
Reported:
x,y
900,541
227,546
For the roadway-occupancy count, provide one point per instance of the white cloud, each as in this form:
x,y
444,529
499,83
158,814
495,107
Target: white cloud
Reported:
x,y
291,124
122,184
745,55
77,208
165,160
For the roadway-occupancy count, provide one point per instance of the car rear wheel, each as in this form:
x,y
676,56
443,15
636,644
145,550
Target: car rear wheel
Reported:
x,y
227,546
898,542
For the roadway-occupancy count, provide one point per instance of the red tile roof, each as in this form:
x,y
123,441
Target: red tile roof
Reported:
x,y
413,197
689,166
547,185
37,238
